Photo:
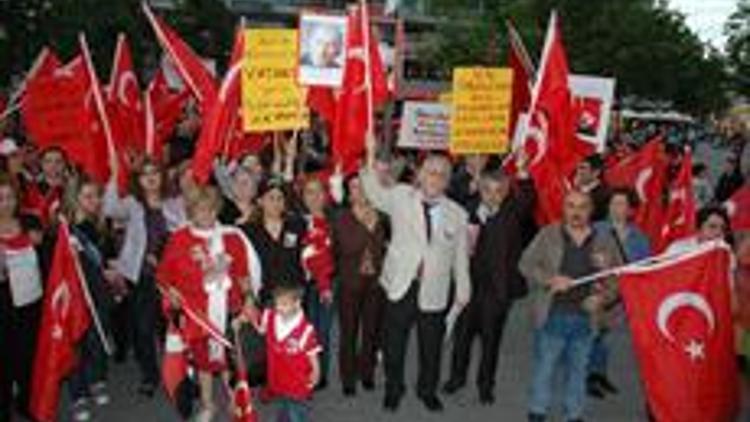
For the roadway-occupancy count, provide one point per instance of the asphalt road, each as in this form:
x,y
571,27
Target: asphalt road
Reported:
x,y
331,406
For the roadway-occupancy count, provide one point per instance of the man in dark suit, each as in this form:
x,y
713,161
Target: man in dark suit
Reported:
x,y
496,281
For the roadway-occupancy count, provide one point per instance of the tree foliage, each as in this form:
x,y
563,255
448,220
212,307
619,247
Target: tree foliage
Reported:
x,y
738,47
644,44
30,25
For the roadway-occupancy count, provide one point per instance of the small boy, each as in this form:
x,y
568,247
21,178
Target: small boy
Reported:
x,y
292,353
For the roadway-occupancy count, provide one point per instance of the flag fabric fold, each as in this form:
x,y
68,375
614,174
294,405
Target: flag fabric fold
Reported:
x,y
680,211
365,87
65,319
188,64
680,316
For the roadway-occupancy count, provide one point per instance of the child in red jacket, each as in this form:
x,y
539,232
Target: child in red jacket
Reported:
x,y
292,353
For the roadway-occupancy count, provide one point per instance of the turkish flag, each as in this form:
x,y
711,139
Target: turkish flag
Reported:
x,y
680,317
189,65
223,119
550,136
738,207
65,319
162,109
680,213
646,172
124,97
354,113
323,101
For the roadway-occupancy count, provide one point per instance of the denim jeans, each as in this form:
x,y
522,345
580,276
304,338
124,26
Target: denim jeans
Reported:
x,y
92,365
565,341
290,410
320,316
599,355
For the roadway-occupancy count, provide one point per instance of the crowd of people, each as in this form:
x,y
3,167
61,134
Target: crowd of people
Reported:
x,y
278,253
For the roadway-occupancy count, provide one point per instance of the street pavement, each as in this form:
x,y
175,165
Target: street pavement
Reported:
x,y
331,406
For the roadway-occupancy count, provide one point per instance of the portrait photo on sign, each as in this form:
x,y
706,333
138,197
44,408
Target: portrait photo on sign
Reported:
x,y
322,50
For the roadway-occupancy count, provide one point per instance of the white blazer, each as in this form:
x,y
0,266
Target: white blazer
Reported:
x,y
445,258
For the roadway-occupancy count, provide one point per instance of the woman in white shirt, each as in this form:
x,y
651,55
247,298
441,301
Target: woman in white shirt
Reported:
x,y
20,300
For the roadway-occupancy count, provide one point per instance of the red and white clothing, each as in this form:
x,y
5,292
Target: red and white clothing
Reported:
x,y
41,201
290,345
21,269
317,254
206,267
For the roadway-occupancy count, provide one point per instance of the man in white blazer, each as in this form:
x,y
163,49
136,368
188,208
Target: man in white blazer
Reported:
x,y
427,254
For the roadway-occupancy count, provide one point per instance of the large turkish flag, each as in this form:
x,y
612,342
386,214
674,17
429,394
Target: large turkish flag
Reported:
x,y
680,316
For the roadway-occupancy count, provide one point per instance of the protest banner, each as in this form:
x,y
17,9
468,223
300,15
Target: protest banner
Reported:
x,y
592,105
481,110
425,126
272,99
322,50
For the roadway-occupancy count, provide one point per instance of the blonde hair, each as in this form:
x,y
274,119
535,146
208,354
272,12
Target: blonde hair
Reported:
x,y
202,194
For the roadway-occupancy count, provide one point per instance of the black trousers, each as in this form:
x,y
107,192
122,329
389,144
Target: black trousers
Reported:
x,y
486,318
145,312
360,316
18,329
399,318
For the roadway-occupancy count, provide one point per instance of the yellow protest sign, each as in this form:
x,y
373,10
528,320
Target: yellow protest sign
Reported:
x,y
481,110
271,98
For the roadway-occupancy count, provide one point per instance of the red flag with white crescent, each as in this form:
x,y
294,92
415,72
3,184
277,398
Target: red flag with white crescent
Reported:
x,y
65,319
188,64
223,117
680,212
680,317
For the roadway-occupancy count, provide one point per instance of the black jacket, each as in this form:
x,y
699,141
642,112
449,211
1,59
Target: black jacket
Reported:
x,y
494,265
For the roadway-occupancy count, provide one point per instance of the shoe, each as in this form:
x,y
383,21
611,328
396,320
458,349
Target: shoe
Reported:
x,y
535,417
368,385
453,385
593,390
391,402
350,391
604,383
99,391
321,385
432,403
486,397
81,412
147,389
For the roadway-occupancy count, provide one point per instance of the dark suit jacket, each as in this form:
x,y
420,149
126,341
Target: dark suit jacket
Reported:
x,y
494,266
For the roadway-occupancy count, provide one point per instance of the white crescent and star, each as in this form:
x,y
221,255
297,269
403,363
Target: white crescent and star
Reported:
x,y
695,349
127,81
539,133
640,182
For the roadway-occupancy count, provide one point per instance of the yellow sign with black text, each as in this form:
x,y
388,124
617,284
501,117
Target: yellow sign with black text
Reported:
x,y
272,100
481,101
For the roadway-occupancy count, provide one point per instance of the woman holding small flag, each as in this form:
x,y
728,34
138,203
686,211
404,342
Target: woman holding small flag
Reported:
x,y
212,273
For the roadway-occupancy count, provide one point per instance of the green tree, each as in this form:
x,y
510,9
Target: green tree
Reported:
x,y
738,46
645,45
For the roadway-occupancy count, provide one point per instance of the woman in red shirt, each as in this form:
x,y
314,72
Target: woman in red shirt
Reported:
x,y
207,267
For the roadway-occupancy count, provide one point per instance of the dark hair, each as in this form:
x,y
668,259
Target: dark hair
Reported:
x,y
706,212
134,181
495,175
595,161
347,191
284,288
52,149
699,169
628,193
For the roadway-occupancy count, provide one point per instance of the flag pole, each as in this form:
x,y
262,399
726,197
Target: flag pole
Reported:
x,y
664,258
200,320
10,110
87,295
15,98
98,101
365,24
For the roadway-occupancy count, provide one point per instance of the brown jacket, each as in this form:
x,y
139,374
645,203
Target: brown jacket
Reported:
x,y
542,259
